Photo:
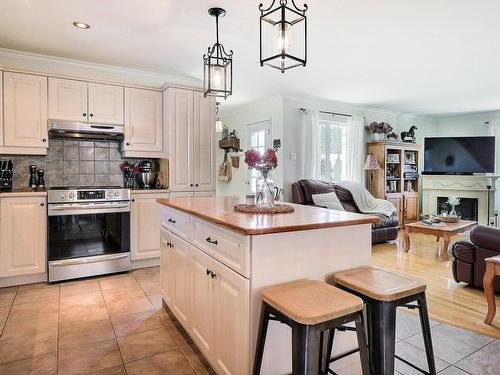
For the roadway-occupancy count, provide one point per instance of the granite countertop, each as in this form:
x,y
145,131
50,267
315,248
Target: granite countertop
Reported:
x,y
220,210
24,192
148,191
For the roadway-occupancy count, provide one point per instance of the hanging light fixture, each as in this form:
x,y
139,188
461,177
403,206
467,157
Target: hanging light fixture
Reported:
x,y
283,35
218,122
217,64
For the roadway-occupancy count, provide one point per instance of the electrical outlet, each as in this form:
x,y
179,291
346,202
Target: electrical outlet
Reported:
x,y
293,156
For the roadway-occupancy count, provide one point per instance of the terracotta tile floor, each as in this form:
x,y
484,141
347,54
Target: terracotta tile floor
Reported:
x,y
106,325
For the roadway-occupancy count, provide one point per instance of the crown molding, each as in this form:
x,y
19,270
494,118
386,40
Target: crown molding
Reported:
x,y
53,65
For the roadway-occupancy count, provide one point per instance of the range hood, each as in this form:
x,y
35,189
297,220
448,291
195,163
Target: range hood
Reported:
x,y
82,130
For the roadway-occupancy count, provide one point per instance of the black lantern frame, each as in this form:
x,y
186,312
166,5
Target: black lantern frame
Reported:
x,y
280,13
217,64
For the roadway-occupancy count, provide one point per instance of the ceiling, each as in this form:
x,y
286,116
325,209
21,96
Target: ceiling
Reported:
x,y
428,57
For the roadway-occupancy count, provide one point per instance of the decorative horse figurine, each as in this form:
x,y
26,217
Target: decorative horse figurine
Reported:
x,y
409,136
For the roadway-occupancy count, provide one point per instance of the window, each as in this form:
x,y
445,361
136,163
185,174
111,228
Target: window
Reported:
x,y
333,150
257,136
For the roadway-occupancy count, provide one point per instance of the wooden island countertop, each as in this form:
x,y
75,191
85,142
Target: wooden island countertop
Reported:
x,y
220,210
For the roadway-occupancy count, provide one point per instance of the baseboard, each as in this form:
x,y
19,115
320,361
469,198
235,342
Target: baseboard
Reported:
x,y
144,263
23,279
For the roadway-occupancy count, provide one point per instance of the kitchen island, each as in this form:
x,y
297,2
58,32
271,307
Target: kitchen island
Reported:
x,y
216,261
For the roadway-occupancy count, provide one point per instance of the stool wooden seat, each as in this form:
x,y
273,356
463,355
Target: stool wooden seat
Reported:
x,y
379,284
383,292
311,301
313,310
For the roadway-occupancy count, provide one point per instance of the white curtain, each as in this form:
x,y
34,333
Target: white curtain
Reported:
x,y
311,144
356,150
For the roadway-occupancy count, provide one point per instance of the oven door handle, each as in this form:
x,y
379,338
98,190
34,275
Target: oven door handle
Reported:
x,y
92,259
82,209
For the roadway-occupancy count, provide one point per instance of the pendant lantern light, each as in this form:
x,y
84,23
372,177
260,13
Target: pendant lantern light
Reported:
x,y
283,35
217,64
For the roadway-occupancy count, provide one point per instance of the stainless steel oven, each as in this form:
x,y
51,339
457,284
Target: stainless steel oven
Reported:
x,y
88,232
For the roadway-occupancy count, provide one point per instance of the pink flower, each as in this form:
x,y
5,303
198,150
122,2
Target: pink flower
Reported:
x,y
270,158
252,159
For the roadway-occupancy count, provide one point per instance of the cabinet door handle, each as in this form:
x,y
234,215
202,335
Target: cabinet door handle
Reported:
x,y
209,240
84,115
196,185
44,140
208,272
42,204
171,221
128,144
213,275
191,185
91,115
133,200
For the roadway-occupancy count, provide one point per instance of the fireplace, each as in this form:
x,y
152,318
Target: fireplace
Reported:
x,y
468,207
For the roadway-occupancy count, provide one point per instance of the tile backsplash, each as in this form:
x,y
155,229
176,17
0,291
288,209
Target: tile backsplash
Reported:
x,y
74,163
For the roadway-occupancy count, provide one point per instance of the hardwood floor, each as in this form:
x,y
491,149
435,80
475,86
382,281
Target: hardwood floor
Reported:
x,y
448,302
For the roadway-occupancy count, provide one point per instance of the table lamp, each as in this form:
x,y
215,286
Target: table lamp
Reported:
x,y
371,164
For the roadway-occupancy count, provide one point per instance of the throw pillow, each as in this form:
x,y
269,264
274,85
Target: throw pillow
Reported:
x,y
328,200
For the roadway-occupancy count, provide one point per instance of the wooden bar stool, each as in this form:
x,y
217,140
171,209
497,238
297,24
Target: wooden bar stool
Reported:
x,y
383,292
492,270
311,308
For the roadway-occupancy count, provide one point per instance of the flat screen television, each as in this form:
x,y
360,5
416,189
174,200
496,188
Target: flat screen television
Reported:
x,y
459,155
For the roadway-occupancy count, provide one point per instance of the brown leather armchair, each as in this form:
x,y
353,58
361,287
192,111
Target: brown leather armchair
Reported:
x,y
386,229
468,256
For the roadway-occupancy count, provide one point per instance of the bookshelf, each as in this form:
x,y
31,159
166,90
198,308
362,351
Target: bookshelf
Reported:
x,y
398,179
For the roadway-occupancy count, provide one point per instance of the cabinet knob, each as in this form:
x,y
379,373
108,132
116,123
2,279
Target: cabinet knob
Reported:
x,y
44,140
196,185
132,200
128,144
191,185
42,204
209,240
171,221
91,115
213,275
208,272
84,115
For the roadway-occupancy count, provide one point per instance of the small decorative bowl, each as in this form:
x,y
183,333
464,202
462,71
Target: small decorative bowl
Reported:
x,y
450,219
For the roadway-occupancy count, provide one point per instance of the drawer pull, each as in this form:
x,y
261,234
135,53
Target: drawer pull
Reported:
x,y
208,272
171,221
209,240
213,275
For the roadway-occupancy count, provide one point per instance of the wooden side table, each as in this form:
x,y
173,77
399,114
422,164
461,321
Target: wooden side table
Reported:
x,y
444,230
492,270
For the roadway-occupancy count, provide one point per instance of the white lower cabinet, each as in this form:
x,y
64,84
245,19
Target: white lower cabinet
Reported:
x,y
210,300
144,224
23,254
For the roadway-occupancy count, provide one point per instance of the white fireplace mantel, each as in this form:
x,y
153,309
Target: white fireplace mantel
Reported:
x,y
463,187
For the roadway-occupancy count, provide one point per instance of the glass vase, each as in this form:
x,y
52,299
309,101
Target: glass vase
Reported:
x,y
453,212
264,190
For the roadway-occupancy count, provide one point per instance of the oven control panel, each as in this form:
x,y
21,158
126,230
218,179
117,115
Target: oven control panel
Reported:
x,y
90,195
87,195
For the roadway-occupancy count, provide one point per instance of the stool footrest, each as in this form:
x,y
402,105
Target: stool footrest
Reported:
x,y
343,355
412,365
411,306
345,328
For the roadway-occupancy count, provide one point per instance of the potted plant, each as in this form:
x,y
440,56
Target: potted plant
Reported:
x,y
378,130
264,163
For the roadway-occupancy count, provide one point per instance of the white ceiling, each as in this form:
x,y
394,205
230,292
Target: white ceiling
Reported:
x,y
427,56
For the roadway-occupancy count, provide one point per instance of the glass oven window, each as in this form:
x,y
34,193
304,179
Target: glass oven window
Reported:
x,y
78,236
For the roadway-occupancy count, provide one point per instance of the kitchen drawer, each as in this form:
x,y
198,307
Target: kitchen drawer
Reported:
x,y
228,247
175,221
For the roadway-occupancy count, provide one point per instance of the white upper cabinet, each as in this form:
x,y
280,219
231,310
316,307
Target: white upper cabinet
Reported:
x,y
1,109
191,140
67,100
105,103
25,114
204,143
73,100
179,114
143,123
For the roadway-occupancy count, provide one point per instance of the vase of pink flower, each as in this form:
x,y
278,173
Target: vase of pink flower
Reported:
x,y
264,163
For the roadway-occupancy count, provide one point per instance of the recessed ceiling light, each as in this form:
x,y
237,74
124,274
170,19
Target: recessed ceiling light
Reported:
x,y
81,25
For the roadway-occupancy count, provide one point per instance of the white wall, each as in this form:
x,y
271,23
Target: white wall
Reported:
x,y
267,109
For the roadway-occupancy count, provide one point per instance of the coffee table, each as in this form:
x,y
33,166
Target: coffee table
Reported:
x,y
444,230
